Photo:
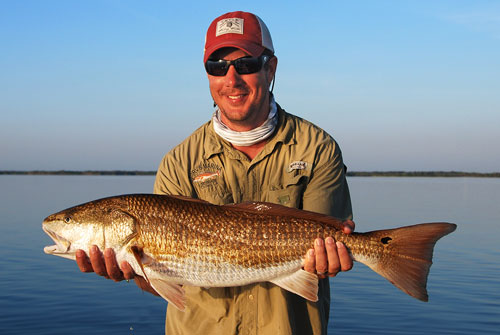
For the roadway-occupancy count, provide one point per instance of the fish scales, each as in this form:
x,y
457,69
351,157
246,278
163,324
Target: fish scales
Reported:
x,y
247,240
192,243
174,241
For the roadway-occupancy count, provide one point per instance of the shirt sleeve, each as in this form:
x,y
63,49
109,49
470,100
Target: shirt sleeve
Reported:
x,y
327,191
171,179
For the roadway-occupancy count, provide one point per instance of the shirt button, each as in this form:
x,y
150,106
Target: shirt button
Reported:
x,y
250,296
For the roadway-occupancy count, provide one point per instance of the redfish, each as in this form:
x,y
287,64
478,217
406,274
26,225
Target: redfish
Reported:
x,y
173,241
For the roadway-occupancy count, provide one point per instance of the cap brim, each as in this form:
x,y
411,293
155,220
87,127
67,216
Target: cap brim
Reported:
x,y
250,48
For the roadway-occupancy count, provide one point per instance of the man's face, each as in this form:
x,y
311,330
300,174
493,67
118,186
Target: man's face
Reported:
x,y
243,99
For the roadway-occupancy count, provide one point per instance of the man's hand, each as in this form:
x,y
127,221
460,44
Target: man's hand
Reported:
x,y
329,257
107,266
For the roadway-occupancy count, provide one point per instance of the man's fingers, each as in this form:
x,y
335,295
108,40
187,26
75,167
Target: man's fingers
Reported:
x,y
321,257
106,266
128,272
344,257
333,257
328,258
97,261
310,261
112,268
83,261
349,226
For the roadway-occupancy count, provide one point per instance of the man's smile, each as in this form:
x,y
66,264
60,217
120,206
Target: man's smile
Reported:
x,y
236,97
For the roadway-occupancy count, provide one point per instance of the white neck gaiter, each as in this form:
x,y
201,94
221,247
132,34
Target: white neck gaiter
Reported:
x,y
247,138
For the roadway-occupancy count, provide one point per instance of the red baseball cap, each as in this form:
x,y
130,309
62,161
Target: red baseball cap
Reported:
x,y
242,30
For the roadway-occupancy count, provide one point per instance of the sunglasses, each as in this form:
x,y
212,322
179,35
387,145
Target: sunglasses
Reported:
x,y
243,65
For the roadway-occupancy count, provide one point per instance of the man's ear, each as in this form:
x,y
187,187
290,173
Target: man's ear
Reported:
x,y
272,64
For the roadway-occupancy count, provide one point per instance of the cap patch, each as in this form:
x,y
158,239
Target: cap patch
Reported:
x,y
229,26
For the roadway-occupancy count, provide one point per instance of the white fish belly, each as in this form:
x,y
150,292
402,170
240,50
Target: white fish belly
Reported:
x,y
219,273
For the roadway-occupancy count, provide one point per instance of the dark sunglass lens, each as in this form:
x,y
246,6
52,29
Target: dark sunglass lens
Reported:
x,y
244,65
216,67
248,65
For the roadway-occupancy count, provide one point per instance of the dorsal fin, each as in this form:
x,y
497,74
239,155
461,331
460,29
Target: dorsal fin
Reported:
x,y
186,198
268,208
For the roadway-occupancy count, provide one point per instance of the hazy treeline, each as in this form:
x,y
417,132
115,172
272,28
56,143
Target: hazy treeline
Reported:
x,y
423,174
83,173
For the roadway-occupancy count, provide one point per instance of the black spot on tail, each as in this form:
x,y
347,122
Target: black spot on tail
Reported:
x,y
386,240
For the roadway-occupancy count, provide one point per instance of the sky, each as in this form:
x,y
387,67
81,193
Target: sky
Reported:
x,y
115,84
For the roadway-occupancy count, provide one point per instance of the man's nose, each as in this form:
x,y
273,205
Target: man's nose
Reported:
x,y
232,77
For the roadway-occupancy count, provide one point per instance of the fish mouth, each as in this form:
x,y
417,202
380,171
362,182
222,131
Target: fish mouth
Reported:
x,y
62,245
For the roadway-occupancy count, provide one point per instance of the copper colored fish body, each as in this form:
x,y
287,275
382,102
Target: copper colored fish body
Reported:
x,y
174,241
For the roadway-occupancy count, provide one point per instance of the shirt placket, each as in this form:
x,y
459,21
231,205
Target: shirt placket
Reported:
x,y
246,307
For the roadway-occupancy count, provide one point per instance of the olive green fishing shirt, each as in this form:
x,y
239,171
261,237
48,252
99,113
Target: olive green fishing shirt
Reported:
x,y
301,166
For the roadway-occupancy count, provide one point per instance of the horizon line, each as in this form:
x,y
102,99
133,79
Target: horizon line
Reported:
x,y
388,173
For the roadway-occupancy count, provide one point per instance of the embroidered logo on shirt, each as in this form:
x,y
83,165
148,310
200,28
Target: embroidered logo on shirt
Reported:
x,y
229,26
205,174
297,165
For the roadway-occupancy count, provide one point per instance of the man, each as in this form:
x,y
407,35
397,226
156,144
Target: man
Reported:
x,y
251,150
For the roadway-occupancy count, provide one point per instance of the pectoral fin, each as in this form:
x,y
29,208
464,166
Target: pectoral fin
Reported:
x,y
173,293
302,283
142,259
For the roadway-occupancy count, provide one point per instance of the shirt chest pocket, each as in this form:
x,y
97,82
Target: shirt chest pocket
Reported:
x,y
213,190
289,192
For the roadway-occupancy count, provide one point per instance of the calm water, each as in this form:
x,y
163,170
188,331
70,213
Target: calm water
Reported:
x,y
42,294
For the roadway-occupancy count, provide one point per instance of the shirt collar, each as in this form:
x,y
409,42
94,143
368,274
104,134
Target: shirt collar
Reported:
x,y
284,133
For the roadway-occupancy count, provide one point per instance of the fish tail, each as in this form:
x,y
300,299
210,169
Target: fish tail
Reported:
x,y
406,255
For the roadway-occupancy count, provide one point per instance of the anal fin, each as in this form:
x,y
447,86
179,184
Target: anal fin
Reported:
x,y
173,293
301,282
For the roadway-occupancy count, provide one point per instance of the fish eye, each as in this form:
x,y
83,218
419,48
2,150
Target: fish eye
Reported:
x,y
67,219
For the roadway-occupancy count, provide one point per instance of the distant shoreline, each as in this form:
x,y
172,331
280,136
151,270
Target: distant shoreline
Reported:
x,y
349,173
